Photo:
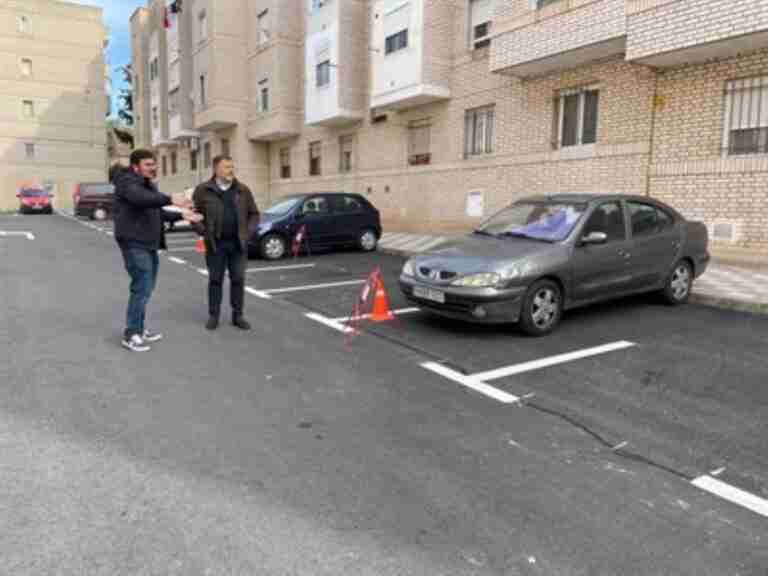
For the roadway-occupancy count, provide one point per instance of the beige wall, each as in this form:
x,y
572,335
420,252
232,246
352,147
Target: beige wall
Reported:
x,y
65,45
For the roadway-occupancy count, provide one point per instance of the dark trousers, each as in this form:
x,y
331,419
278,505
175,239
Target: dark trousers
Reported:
x,y
229,256
142,266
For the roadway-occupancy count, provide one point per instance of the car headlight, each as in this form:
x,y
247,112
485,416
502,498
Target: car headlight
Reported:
x,y
478,280
408,268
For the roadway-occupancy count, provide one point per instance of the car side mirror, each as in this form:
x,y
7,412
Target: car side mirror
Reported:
x,y
594,238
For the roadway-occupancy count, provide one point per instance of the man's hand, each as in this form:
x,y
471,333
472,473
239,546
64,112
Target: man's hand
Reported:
x,y
191,216
180,199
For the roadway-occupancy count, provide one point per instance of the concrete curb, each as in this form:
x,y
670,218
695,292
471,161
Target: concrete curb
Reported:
x,y
722,302
725,303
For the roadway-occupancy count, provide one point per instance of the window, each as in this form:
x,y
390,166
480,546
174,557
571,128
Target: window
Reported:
x,y
607,218
28,108
22,24
395,42
29,151
207,154
481,12
165,166
541,3
746,117
418,142
193,160
316,205
264,97
349,205
155,118
225,147
323,74
315,160
26,67
285,163
154,69
576,117
203,102
174,163
478,131
648,220
202,24
346,151
174,99
262,32
315,5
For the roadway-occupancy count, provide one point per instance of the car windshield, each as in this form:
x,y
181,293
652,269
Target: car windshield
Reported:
x,y
31,192
548,222
283,206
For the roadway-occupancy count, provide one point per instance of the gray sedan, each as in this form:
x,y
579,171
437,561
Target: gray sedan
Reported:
x,y
544,255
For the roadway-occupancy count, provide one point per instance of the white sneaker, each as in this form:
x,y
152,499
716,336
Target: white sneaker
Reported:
x,y
136,344
150,336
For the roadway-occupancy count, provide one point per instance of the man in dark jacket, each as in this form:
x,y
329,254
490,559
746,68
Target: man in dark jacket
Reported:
x,y
138,220
230,215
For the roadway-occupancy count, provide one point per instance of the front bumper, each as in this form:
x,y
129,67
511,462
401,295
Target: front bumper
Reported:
x,y
478,305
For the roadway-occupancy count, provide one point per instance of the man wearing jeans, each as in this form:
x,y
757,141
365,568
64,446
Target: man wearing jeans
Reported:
x,y
230,214
139,231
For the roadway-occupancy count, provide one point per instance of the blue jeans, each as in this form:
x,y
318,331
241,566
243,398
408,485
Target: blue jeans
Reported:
x,y
142,265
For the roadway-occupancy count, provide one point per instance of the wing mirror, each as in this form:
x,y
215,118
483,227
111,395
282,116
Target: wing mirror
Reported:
x,y
594,238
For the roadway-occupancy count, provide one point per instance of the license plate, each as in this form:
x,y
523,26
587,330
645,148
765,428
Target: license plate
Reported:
x,y
429,294
37,207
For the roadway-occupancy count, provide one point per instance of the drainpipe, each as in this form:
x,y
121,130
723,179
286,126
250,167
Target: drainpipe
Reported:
x,y
652,136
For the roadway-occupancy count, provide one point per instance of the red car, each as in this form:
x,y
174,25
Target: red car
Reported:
x,y
35,201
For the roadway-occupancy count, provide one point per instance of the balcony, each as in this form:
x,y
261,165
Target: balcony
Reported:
x,y
674,32
336,63
558,35
411,53
217,116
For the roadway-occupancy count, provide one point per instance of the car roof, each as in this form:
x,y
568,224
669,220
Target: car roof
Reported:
x,y
587,197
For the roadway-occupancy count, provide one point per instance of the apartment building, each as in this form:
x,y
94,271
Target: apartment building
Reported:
x,y
52,97
442,111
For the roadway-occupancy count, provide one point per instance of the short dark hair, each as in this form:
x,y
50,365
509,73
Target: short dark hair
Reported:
x,y
219,159
138,155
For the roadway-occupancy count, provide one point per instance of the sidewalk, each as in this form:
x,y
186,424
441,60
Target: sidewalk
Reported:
x,y
723,285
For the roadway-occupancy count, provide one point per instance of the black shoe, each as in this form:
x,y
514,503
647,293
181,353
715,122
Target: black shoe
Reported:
x,y
240,322
213,323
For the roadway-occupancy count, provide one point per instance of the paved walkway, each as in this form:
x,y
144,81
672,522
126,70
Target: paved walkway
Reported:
x,y
724,285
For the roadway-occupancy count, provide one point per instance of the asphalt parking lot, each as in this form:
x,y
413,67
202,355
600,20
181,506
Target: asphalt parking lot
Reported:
x,y
633,440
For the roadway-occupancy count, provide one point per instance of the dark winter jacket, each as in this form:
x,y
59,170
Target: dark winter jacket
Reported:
x,y
138,211
209,201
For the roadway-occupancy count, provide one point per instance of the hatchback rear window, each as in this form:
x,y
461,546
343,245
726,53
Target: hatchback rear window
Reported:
x,y
97,189
33,192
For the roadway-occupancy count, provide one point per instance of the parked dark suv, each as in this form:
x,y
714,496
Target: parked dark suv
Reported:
x,y
331,220
94,200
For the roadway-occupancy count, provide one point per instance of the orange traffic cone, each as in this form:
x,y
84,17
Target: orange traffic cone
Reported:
x,y
381,310
200,246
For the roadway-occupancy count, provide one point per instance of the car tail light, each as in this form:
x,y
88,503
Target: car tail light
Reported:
x,y
76,195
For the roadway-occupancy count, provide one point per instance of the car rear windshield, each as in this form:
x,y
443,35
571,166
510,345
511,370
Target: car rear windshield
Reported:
x,y
548,222
97,189
283,206
31,192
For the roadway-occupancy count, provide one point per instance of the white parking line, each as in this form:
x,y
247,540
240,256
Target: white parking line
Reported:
x,y
335,324
257,293
271,268
312,287
471,382
732,494
176,260
188,249
203,271
28,235
399,312
551,361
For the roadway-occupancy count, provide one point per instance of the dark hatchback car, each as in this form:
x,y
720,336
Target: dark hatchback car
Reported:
x,y
544,255
331,220
94,200
35,201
